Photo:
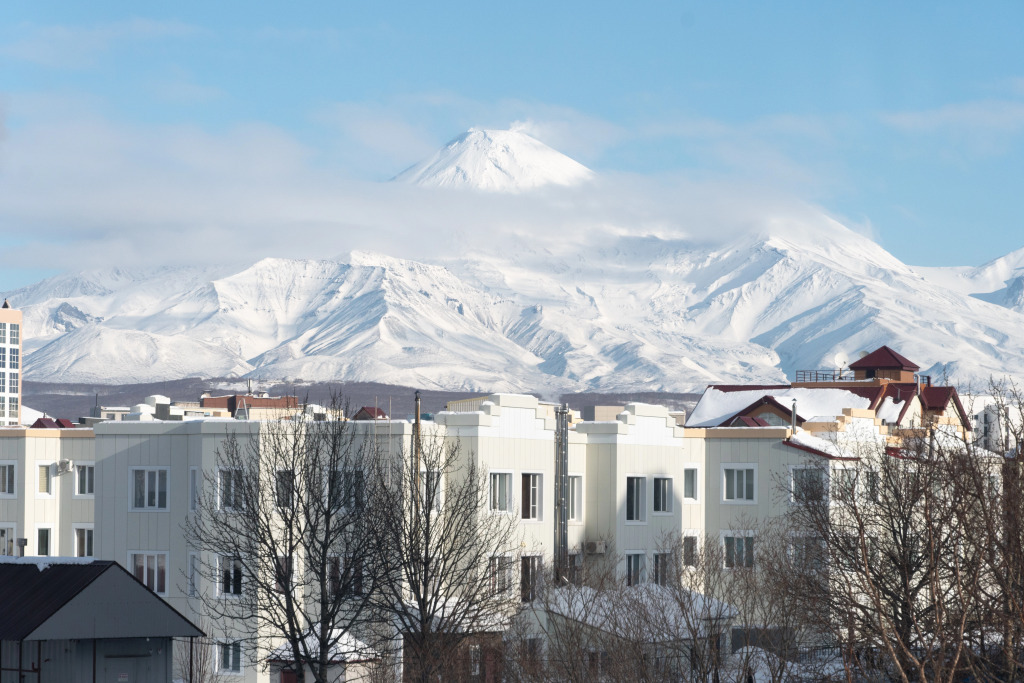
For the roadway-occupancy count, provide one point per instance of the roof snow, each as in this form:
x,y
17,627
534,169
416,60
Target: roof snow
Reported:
x,y
716,406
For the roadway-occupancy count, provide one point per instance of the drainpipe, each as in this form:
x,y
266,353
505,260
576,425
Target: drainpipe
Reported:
x,y
792,417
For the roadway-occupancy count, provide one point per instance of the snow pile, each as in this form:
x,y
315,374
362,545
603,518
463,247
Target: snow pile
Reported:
x,y
496,161
42,563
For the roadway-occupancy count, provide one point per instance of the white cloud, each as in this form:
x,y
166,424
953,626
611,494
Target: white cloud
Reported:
x,y
79,46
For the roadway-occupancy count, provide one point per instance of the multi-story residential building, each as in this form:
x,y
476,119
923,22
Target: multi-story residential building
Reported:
x,y
47,492
10,365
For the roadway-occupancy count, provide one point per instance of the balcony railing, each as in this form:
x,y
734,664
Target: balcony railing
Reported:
x,y
823,376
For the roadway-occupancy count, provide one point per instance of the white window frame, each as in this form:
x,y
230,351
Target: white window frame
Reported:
x,y
277,489
13,493
424,483
502,568
193,489
739,466
155,554
230,595
661,578
630,556
671,495
50,540
537,569
12,539
525,503
219,659
823,471
84,463
575,499
738,533
696,486
145,491
75,528
510,500
696,535
193,570
235,472
50,482
641,505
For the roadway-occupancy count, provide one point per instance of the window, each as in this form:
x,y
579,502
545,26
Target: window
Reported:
x,y
689,551
808,484
501,574
662,494
149,489
501,491
6,541
337,578
575,498
635,569
42,541
739,483
193,488
533,651
690,483
282,574
474,660
285,488
15,362
575,569
739,551
597,664
7,479
12,406
13,383
85,479
808,553
230,658
844,484
529,577
230,488
83,542
3,375
15,333
45,480
3,356
531,496
3,333
636,505
662,568
230,575
193,575
151,569
871,494
355,485
430,489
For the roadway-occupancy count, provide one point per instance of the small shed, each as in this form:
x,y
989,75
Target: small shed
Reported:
x,y
80,620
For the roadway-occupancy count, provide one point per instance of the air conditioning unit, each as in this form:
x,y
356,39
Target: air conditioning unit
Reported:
x,y
596,547
65,466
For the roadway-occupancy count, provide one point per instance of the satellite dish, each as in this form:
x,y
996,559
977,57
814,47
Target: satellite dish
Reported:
x,y
861,354
841,360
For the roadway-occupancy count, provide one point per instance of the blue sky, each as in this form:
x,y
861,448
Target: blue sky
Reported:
x,y
903,120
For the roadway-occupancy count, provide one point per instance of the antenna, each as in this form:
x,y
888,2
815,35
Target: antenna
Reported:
x,y
861,354
841,360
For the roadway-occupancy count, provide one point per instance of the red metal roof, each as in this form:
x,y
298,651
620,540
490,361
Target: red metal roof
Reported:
x,y
886,358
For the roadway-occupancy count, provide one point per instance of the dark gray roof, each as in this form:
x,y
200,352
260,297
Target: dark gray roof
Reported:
x,y
61,598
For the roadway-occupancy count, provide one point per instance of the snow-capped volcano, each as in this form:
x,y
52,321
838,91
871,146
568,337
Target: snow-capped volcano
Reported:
x,y
496,161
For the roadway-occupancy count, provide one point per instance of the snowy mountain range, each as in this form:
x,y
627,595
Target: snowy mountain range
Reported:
x,y
639,312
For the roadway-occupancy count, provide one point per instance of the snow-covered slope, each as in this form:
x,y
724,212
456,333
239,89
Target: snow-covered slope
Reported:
x,y
496,161
640,314
624,310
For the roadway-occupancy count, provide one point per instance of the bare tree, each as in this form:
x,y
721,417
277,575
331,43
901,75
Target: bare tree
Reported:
x,y
281,531
194,658
446,564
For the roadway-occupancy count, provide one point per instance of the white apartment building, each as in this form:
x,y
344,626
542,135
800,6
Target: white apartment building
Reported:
x,y
47,491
